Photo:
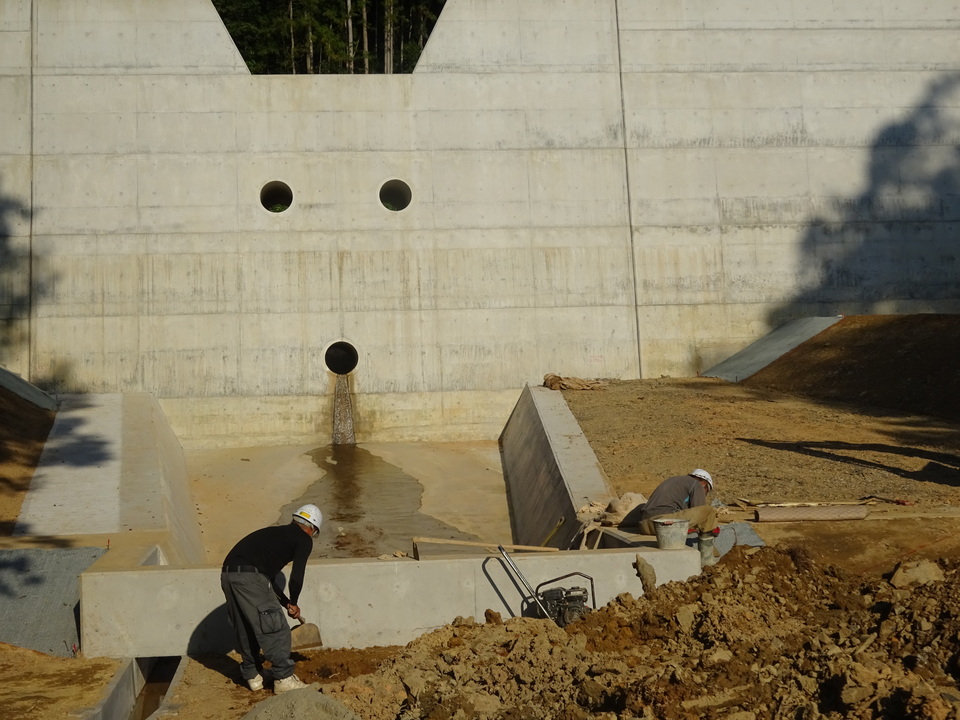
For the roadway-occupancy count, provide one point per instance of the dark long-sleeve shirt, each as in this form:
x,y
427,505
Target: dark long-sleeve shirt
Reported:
x,y
673,494
269,550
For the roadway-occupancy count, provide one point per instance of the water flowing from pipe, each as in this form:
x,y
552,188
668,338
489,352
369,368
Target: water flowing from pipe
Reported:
x,y
343,433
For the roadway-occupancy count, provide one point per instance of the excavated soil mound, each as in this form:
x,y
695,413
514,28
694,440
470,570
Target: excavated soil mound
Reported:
x,y
763,634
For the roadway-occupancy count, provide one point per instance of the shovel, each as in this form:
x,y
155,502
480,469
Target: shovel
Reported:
x,y
305,636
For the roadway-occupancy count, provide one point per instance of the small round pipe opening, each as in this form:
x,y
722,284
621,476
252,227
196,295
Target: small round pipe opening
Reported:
x,y
395,195
341,358
276,196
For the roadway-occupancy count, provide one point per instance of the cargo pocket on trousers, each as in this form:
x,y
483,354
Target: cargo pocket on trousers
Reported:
x,y
271,619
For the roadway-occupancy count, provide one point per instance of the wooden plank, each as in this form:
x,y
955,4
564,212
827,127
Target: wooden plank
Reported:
x,y
742,503
819,512
492,547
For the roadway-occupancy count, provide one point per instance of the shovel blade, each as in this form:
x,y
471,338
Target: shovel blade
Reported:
x,y
305,636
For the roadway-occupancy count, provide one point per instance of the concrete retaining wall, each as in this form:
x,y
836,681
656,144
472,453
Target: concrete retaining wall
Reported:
x,y
356,603
549,468
600,188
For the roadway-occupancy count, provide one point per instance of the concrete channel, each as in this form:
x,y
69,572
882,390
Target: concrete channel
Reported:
x,y
158,563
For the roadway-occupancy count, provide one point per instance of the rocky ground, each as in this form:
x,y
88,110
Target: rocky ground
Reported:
x,y
843,619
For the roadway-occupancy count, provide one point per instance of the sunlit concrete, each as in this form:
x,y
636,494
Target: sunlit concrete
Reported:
x,y
599,188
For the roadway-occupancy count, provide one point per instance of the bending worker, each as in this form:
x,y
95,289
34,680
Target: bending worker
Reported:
x,y
684,497
255,600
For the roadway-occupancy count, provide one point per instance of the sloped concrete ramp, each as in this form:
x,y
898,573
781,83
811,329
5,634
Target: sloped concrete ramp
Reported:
x,y
17,385
764,351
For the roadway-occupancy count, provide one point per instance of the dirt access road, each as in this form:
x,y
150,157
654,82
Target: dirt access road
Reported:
x,y
812,628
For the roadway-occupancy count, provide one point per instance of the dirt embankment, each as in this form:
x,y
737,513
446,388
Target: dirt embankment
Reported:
x,y
764,634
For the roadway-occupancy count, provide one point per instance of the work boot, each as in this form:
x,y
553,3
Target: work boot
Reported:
x,y
705,544
288,683
255,683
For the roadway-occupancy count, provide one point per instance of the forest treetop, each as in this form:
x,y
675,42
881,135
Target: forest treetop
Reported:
x,y
329,36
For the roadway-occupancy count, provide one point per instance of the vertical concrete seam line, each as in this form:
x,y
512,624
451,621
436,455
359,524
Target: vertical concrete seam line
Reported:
x,y
626,177
27,372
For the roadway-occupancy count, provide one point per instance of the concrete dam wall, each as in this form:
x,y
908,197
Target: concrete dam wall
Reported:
x,y
595,188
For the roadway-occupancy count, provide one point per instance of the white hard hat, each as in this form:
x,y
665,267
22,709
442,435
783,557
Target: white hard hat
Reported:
x,y
309,514
703,475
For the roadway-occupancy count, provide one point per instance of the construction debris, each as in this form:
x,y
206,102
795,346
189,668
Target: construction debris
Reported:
x,y
555,382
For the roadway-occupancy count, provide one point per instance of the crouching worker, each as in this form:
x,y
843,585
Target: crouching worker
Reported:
x,y
683,497
256,602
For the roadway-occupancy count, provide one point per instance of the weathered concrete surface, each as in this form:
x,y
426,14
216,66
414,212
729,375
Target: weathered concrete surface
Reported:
x,y
599,189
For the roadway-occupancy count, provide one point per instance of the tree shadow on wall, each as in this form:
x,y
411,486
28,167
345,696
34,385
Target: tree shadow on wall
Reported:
x,y
893,249
24,427
897,242
14,279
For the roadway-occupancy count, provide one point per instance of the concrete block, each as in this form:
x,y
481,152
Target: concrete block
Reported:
x,y
763,172
215,94
84,134
472,44
662,14
97,354
87,44
178,284
580,45
212,181
207,349
585,276
196,132
84,182
670,274
14,50
14,115
673,174
838,171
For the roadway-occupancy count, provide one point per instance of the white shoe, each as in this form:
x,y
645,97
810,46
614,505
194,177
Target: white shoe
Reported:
x,y
255,683
288,683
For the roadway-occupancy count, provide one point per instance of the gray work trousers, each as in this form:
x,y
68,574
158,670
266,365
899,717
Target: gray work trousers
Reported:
x,y
259,623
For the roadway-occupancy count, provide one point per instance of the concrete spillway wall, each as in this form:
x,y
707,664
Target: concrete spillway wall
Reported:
x,y
596,188
550,470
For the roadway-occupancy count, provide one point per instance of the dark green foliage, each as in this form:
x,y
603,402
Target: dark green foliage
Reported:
x,y
313,36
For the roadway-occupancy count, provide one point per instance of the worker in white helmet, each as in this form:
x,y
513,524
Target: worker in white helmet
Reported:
x,y
256,601
683,497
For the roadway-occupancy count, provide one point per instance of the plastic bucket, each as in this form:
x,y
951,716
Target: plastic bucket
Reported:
x,y
671,533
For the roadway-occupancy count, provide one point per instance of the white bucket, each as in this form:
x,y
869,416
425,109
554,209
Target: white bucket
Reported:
x,y
671,533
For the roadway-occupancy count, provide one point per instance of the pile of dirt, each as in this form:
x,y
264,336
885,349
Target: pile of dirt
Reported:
x,y
764,634
46,687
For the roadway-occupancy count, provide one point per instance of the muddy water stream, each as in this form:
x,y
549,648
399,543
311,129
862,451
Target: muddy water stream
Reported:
x,y
370,507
